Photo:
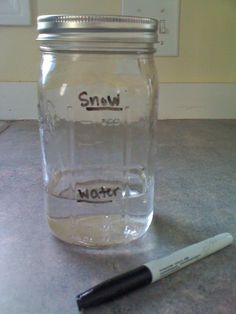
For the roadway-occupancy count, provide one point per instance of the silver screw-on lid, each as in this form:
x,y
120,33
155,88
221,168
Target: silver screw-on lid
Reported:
x,y
66,27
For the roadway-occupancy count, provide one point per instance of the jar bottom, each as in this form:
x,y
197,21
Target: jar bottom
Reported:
x,y
101,230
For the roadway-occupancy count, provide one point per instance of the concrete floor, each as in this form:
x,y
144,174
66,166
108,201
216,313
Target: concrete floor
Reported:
x,y
195,198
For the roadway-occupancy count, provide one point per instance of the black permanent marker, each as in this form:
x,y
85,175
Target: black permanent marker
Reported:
x,y
151,271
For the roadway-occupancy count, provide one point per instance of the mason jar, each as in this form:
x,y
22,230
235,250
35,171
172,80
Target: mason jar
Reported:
x,y
97,116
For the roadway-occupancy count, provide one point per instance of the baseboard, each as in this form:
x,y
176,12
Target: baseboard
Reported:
x,y
18,100
197,101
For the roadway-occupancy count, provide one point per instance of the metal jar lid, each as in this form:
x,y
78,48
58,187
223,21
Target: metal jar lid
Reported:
x,y
97,28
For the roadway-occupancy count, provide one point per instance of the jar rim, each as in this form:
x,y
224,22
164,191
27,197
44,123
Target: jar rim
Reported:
x,y
96,27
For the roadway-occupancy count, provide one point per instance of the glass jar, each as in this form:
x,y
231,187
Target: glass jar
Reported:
x,y
97,117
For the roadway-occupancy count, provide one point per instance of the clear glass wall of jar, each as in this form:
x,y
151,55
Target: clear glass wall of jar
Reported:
x,y
97,115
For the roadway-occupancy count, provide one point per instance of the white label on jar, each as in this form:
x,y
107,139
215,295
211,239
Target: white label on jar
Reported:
x,y
98,191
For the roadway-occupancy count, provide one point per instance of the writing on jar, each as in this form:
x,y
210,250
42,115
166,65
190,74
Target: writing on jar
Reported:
x,y
110,122
99,103
97,195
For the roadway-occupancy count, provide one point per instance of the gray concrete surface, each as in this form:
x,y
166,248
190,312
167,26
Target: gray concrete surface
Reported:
x,y
195,199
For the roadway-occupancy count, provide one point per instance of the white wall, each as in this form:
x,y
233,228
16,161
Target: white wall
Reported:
x,y
199,83
177,101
